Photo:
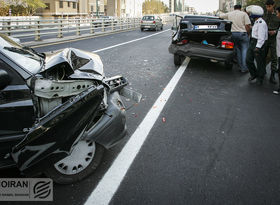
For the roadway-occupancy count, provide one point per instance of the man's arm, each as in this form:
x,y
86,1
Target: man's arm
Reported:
x,y
248,28
224,16
247,21
262,32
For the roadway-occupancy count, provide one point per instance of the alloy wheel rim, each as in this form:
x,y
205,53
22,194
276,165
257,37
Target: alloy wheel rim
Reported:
x,y
81,156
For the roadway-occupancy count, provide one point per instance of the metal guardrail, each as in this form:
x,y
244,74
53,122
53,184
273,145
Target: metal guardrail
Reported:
x,y
43,27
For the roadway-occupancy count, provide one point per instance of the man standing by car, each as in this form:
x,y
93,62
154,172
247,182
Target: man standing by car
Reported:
x,y
272,23
240,30
256,50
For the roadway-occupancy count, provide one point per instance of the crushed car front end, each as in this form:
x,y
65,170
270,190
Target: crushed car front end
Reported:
x,y
76,112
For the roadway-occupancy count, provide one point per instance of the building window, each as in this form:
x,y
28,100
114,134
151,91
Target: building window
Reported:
x,y
47,6
74,5
68,4
61,4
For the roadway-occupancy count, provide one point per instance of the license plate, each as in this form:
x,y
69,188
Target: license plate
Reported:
x,y
147,26
205,27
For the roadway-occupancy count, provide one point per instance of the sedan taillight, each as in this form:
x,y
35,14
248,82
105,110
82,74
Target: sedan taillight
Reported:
x,y
227,45
154,21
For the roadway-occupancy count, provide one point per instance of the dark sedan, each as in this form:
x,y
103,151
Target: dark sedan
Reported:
x,y
58,111
202,36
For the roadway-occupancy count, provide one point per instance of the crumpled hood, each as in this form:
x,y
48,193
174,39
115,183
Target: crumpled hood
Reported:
x,y
75,63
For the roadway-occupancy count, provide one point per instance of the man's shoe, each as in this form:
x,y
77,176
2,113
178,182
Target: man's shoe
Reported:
x,y
272,78
276,92
244,71
252,78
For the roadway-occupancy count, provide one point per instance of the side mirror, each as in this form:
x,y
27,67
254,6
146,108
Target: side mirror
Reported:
x,y
4,79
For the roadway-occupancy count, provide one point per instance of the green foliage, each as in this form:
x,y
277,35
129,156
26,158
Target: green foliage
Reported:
x,y
261,3
4,8
154,7
33,5
21,7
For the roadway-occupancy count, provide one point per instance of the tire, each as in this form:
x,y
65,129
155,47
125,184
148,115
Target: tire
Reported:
x,y
161,28
86,150
142,29
228,65
177,59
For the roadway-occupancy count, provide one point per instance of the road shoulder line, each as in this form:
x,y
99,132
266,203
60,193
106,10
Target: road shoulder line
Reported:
x,y
120,44
112,179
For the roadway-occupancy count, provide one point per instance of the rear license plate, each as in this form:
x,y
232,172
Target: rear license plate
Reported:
x,y
147,26
205,27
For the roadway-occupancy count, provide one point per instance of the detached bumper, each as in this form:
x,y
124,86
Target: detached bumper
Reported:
x,y
203,51
111,128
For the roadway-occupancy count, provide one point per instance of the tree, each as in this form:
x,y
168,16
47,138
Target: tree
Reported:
x,y
33,5
154,7
21,7
4,8
261,3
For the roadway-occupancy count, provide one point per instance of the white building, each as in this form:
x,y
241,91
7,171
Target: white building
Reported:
x,y
133,8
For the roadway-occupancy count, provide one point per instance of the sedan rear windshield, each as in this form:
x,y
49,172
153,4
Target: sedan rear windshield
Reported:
x,y
148,18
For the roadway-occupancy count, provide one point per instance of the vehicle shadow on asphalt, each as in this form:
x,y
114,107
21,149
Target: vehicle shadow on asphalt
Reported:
x,y
217,71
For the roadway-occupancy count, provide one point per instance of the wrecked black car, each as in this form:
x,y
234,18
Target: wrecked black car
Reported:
x,y
202,36
58,111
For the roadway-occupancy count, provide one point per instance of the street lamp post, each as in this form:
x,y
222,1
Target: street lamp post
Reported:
x,y
97,8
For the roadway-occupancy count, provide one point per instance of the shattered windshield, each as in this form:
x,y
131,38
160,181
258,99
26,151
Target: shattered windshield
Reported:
x,y
26,58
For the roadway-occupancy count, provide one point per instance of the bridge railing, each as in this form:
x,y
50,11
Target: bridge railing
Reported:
x,y
58,27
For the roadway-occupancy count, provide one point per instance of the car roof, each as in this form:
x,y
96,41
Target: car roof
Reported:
x,y
200,16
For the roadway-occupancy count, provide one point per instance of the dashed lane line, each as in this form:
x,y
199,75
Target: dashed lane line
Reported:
x,y
120,44
112,179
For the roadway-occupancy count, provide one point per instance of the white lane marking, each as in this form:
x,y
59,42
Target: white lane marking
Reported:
x,y
109,184
138,39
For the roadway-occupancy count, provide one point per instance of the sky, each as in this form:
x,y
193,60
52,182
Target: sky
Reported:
x,y
201,5
204,5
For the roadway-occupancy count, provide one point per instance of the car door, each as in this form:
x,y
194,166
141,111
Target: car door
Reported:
x,y
55,134
16,107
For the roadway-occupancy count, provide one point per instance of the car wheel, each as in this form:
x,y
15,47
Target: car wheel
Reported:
x,y
178,59
142,29
161,28
228,65
83,160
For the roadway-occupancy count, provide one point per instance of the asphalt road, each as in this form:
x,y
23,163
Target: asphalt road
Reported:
x,y
216,140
